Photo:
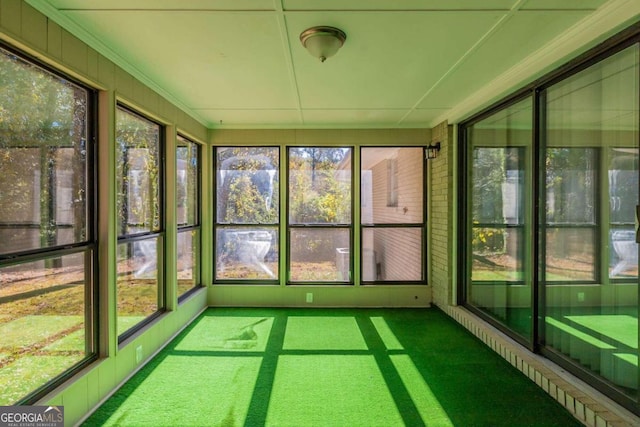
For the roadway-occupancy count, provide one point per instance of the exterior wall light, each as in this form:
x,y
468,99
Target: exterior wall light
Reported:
x,y
322,42
432,151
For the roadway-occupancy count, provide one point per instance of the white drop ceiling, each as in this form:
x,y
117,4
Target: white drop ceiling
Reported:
x,y
406,63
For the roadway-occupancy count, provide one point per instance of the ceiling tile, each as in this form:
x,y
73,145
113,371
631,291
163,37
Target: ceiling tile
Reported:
x,y
564,4
208,60
519,37
423,117
388,60
226,117
164,4
383,118
397,4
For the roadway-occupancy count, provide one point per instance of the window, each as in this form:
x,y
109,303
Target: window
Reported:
x,y
319,214
392,229
247,213
188,215
47,238
139,172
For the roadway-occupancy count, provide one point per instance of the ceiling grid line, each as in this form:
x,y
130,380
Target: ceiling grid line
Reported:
x,y
284,33
500,23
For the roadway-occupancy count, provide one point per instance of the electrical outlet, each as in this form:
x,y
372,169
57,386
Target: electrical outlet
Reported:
x,y
139,354
309,297
580,296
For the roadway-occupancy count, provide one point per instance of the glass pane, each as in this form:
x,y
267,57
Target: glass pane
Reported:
x,y
319,185
188,260
498,185
623,198
397,176
43,323
187,182
595,114
137,288
247,253
320,255
499,227
43,158
623,254
248,185
571,184
623,185
137,173
497,254
570,254
392,254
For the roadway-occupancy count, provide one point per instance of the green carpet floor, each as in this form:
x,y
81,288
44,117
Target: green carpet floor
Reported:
x,y
328,367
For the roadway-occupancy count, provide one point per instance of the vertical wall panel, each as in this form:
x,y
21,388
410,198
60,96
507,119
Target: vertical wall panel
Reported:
x,y
54,40
11,19
74,52
34,25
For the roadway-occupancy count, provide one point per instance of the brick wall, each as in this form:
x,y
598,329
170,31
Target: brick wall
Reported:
x,y
441,220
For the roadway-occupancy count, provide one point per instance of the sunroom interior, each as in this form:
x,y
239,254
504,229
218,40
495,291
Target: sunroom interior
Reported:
x,y
159,158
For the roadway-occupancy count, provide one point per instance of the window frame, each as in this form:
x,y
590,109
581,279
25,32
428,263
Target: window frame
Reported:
x,y
88,247
159,234
422,225
218,225
309,226
615,44
183,141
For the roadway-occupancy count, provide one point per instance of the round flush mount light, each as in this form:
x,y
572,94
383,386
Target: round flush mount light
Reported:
x,y
322,41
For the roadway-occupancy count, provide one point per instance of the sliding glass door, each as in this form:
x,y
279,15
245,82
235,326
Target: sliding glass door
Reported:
x,y
551,184
499,218
588,251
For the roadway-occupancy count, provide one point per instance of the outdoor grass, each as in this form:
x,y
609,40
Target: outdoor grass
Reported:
x,y
328,367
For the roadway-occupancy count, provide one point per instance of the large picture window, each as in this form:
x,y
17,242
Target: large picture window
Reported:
x,y
47,238
188,214
319,214
247,213
392,226
139,172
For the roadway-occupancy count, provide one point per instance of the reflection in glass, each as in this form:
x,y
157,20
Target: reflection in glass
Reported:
x,y
319,185
392,254
320,254
592,173
570,178
43,323
623,198
247,253
137,287
137,173
497,254
187,182
570,254
188,260
43,158
247,185
500,195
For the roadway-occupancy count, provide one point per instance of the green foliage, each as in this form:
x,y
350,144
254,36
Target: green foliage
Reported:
x,y
248,184
137,173
316,194
41,115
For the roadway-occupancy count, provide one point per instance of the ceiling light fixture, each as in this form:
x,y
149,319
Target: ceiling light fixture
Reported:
x,y
322,42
